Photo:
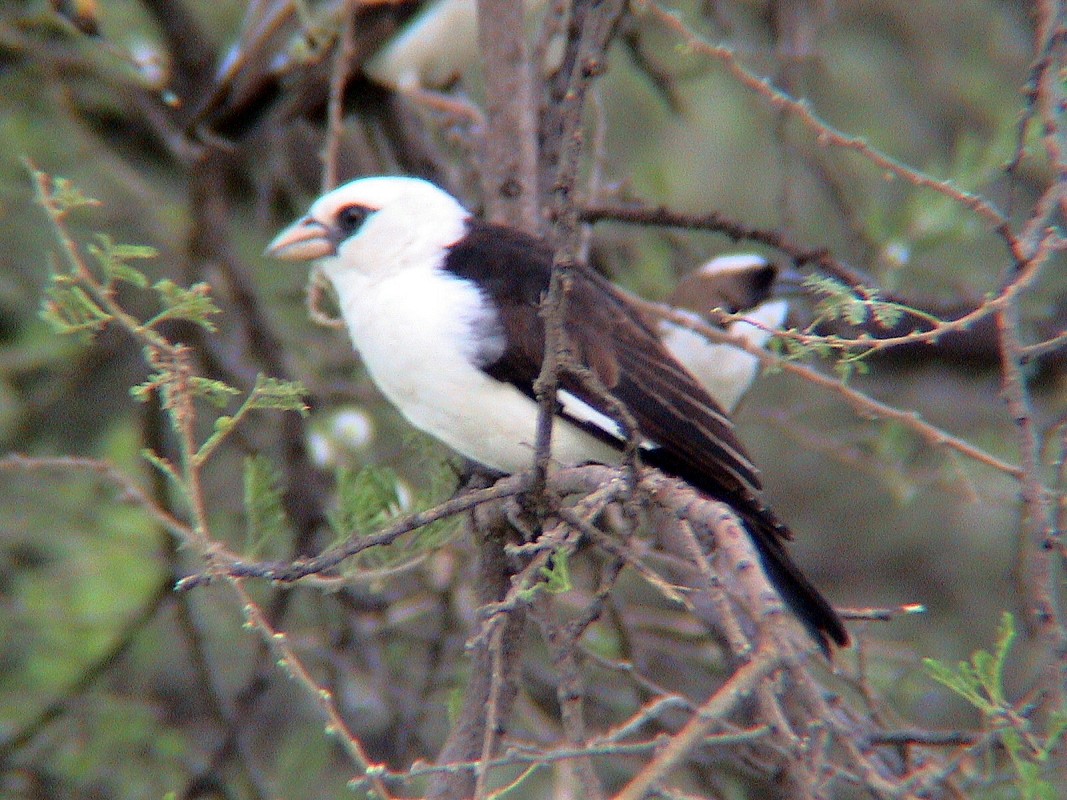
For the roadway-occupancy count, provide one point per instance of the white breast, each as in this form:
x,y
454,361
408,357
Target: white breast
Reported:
x,y
725,372
416,333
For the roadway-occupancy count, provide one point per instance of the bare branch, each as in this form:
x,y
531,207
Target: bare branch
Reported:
x,y
509,163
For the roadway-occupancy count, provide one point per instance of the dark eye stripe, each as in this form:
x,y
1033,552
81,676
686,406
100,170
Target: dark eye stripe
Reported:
x,y
351,218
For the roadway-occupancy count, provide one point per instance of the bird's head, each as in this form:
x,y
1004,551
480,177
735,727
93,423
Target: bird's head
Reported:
x,y
375,226
734,283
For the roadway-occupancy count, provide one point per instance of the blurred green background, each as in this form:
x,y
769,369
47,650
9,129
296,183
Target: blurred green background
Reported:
x,y
882,517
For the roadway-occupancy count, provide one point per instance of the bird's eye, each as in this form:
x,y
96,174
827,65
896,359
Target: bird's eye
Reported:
x,y
350,218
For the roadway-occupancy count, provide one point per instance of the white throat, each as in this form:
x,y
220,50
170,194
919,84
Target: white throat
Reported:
x,y
416,331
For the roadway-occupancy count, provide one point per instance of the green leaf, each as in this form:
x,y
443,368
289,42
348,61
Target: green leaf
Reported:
x,y
279,394
167,468
70,309
267,393
854,311
845,369
366,499
143,391
67,196
113,260
193,304
215,392
836,296
887,314
1005,639
557,573
981,682
1057,727
961,681
126,252
985,672
264,513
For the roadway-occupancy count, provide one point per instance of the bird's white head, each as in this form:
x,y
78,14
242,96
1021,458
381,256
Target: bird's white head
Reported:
x,y
374,226
734,263
733,283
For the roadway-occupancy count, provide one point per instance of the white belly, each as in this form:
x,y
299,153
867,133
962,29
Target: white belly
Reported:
x,y
414,336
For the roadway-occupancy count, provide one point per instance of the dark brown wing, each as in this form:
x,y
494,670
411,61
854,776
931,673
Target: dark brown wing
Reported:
x,y
696,443
689,435
608,336
670,407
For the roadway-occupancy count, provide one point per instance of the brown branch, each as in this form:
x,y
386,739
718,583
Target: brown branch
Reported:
x,y
719,706
927,738
661,216
861,403
592,27
564,640
1051,99
343,57
1039,568
1037,571
967,332
287,572
491,687
509,161
827,135
186,41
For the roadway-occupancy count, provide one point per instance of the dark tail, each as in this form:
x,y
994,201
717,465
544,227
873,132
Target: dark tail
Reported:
x,y
813,610
770,535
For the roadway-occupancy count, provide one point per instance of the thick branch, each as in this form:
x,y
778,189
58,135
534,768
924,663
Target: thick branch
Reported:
x,y
509,169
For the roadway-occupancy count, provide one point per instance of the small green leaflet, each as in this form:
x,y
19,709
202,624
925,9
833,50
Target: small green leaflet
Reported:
x,y
193,304
70,309
264,514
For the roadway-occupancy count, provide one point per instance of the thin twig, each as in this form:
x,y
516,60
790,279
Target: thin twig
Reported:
x,y
826,134
342,66
1037,575
287,659
863,404
740,685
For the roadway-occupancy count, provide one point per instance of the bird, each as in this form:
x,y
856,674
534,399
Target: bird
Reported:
x,y
435,47
443,308
741,283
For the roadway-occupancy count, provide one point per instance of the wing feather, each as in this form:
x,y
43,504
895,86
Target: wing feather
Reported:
x,y
689,435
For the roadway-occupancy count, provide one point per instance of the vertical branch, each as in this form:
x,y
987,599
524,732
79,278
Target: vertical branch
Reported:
x,y
1060,494
564,641
593,26
335,106
192,629
509,169
509,182
496,702
793,32
1036,572
1052,40
491,688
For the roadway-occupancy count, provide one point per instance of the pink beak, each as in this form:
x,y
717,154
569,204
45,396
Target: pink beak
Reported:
x,y
304,240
